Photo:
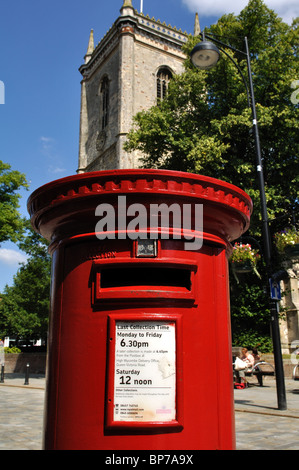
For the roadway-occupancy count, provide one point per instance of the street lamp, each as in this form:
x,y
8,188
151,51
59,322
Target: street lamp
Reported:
x,y
204,56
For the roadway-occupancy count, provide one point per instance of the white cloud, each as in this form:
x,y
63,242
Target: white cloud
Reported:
x,y
47,145
11,257
46,139
56,169
286,9
48,150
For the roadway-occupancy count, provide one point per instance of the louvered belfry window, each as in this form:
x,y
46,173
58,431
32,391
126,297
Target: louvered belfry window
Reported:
x,y
164,76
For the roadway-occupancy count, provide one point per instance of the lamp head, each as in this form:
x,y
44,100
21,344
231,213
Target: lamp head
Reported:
x,y
205,55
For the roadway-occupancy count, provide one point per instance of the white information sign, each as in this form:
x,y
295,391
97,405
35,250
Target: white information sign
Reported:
x,y
145,371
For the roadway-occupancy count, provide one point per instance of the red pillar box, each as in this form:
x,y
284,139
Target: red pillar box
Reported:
x,y
139,342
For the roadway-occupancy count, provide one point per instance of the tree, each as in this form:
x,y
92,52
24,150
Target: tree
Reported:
x,y
204,125
11,223
250,314
24,306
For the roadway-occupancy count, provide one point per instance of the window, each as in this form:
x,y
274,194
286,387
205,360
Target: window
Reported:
x,y
105,101
164,76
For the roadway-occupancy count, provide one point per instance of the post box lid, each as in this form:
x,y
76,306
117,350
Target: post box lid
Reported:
x,y
65,206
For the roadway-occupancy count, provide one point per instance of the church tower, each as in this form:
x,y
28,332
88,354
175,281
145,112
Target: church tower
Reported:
x,y
128,71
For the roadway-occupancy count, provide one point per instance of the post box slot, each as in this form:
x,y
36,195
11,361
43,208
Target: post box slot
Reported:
x,y
178,278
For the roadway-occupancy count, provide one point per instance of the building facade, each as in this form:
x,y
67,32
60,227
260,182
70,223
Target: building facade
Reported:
x,y
128,71
289,323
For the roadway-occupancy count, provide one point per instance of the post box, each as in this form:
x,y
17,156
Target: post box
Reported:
x,y
139,349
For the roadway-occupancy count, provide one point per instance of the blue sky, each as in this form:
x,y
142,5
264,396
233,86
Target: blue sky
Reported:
x,y
42,45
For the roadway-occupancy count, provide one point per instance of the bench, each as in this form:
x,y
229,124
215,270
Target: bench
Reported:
x,y
296,372
260,370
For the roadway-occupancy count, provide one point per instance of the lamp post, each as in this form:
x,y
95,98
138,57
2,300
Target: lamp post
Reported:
x,y
205,55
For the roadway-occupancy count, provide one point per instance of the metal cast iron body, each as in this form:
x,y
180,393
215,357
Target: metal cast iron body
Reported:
x,y
139,352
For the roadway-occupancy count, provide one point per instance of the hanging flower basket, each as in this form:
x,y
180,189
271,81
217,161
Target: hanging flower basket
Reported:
x,y
244,259
292,250
242,267
287,242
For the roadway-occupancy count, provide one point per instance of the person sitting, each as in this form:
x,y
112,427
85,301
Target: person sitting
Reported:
x,y
249,361
257,358
256,355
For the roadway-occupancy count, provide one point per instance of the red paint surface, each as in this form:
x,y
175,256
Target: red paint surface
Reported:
x,y
80,372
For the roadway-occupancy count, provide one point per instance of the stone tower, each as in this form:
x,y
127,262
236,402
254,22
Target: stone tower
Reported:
x,y
125,73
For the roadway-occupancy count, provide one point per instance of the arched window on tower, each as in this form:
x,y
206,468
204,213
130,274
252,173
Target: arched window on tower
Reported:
x,y
105,101
164,76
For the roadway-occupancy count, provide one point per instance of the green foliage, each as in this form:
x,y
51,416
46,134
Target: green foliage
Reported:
x,y
252,339
11,223
13,350
250,314
286,237
24,307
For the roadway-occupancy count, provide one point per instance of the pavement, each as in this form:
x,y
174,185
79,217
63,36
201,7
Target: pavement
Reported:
x,y
259,423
